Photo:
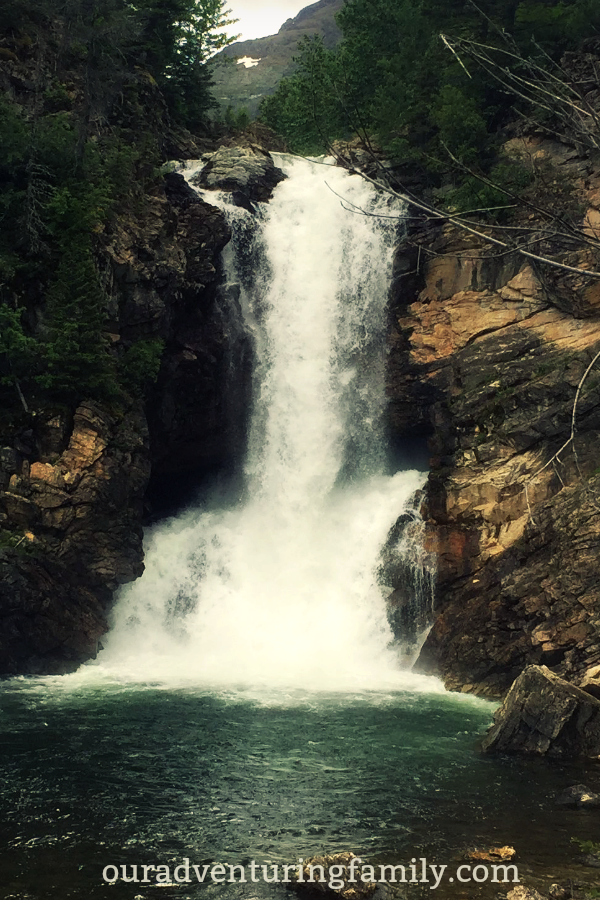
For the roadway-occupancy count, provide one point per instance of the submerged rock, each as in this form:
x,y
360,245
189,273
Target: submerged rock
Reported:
x,y
544,715
578,796
524,893
335,875
493,854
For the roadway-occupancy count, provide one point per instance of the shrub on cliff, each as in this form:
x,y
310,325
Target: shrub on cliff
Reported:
x,y
85,151
55,203
140,365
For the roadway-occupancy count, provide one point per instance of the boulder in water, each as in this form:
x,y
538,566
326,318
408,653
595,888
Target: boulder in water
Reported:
x,y
578,796
546,716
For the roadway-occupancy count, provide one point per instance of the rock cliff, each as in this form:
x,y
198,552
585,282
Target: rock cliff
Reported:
x,y
487,353
79,512
72,486
487,358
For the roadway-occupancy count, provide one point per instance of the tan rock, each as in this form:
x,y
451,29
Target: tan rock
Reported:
x,y
524,893
88,441
591,223
591,294
559,328
524,286
443,328
48,474
493,854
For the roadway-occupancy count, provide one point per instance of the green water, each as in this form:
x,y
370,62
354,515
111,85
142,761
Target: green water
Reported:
x,y
97,775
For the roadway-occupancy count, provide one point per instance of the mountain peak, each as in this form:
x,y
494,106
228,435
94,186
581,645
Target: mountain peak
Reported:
x,y
263,62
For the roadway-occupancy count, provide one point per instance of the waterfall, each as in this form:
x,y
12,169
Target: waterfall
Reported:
x,y
279,585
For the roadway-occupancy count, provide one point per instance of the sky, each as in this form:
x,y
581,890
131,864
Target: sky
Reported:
x,y
257,18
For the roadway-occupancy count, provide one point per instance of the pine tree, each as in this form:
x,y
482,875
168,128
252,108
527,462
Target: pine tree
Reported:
x,y
78,363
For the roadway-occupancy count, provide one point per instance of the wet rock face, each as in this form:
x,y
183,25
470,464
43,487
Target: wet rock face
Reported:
x,y
79,516
486,357
543,715
247,170
167,274
50,624
196,423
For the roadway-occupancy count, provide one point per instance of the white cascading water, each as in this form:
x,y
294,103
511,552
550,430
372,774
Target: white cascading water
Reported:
x,y
280,588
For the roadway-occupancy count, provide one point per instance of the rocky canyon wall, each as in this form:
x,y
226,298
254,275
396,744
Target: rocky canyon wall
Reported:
x,y
487,351
77,486
73,485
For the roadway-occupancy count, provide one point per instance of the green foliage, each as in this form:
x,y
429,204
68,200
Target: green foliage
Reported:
x,y
178,39
460,126
55,197
53,206
390,76
393,79
140,365
71,163
18,14
590,848
560,26
56,98
18,351
307,107
14,139
76,354
507,179
8,539
14,136
236,121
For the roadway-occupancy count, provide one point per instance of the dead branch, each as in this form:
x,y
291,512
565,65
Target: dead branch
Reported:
x,y
457,220
526,79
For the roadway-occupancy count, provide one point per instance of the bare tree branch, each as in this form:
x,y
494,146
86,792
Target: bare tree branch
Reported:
x,y
526,79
